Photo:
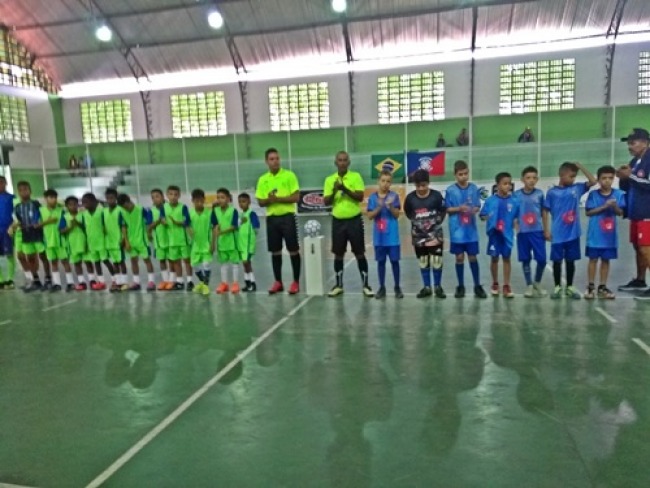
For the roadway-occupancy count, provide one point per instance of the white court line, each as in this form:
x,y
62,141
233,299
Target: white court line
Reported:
x,y
642,345
59,305
8,485
606,315
153,433
5,323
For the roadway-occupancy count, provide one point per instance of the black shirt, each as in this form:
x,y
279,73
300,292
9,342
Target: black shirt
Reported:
x,y
426,216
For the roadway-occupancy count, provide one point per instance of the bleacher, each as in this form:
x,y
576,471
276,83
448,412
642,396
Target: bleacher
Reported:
x,y
77,184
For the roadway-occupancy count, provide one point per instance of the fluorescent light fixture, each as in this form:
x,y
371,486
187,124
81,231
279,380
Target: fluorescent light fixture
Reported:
x,y
104,33
339,6
215,19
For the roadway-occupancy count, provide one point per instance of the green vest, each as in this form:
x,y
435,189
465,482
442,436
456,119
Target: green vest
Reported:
x,y
201,224
51,232
227,242
247,236
94,224
175,233
76,238
113,228
160,239
135,227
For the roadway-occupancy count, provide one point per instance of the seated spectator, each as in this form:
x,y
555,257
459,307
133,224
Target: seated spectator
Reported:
x,y
526,136
463,138
73,165
441,140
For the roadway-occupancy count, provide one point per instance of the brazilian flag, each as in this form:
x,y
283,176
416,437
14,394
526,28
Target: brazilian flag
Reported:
x,y
392,162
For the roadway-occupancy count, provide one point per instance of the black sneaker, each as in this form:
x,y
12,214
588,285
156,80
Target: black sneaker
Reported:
x,y
398,292
460,292
33,286
2,285
190,286
69,288
178,287
9,285
55,288
479,292
643,296
633,285
424,292
252,287
440,293
46,286
381,293
247,287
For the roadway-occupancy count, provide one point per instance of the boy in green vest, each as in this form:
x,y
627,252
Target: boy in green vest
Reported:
x,y
227,242
157,231
177,219
135,220
249,225
114,242
55,249
74,240
202,222
93,223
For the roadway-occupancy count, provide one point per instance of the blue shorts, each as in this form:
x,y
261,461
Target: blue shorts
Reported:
x,y
498,246
6,243
569,250
531,243
471,248
390,252
605,253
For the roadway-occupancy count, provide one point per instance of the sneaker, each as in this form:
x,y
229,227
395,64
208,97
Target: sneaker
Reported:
x,y
644,296
162,286
170,286
335,291
539,290
189,286
252,287
398,292
557,293
367,292
81,287
98,286
571,292
277,287
2,285
134,287
589,293
114,288
55,288
494,289
32,287
9,285
605,293
234,289
633,285
199,288
151,286
530,292
205,289
177,287
294,288
507,292
460,292
70,288
424,292
124,287
440,293
246,288
47,285
479,292
381,293
222,288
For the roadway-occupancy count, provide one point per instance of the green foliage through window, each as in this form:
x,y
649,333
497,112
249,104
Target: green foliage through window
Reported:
x,y
13,119
299,107
198,114
106,121
411,97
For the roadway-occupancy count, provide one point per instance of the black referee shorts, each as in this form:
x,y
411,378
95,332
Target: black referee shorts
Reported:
x,y
282,228
348,230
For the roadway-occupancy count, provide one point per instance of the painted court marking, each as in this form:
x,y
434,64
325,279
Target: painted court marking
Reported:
x,y
59,305
153,433
642,345
8,485
5,322
606,315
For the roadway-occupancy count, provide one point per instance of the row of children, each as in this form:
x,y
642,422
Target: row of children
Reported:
x,y
97,236
525,213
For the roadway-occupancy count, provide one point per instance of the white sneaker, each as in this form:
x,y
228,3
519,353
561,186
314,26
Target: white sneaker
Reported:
x,y
530,292
539,289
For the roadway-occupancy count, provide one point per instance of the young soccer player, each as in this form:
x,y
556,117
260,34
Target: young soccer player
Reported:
x,y
563,203
157,231
177,219
249,226
226,240
74,239
202,221
7,263
383,209
463,202
93,224
425,208
602,208
114,242
28,218
530,239
500,211
55,249
134,235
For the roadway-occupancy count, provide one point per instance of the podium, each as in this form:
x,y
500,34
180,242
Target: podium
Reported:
x,y
314,257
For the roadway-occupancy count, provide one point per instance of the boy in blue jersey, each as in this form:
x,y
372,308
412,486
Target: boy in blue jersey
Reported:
x,y
563,203
531,228
463,202
602,208
383,209
28,220
500,211
6,241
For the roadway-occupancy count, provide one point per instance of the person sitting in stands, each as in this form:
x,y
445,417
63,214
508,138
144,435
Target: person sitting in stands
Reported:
x,y
441,140
526,136
73,165
463,138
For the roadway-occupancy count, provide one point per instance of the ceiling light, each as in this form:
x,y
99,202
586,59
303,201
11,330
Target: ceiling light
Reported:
x,y
215,19
104,33
339,6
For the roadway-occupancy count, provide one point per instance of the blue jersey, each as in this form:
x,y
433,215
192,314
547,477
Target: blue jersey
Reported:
x,y
6,210
637,189
501,213
28,215
601,233
530,210
564,204
385,230
462,225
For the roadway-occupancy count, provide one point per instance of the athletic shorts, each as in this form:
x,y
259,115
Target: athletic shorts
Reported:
x,y
30,248
140,252
391,252
76,258
640,232
174,253
229,257
247,256
96,256
531,243
56,253
566,250
6,243
348,230
422,251
200,257
281,228
605,253
161,253
498,246
115,256
469,248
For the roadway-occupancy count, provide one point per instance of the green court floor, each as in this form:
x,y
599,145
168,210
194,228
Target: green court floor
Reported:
x,y
169,390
